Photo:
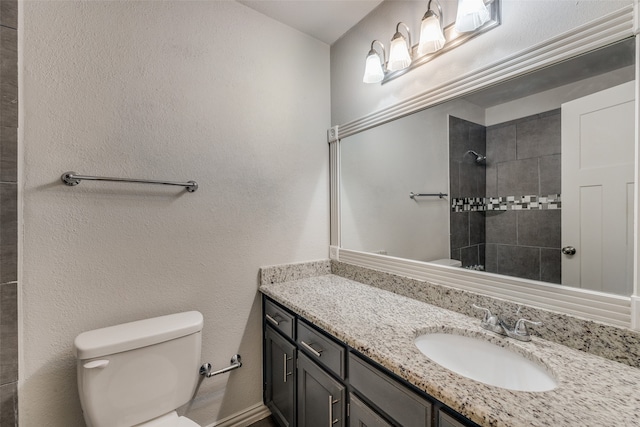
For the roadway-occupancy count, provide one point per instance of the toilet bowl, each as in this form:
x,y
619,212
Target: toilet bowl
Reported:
x,y
139,373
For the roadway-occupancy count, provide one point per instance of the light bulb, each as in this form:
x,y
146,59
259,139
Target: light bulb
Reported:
x,y
471,15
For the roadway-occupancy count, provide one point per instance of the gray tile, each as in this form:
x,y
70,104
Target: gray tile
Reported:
x,y
477,234
469,256
8,56
491,177
8,333
539,136
482,254
491,258
9,13
550,265
518,178
501,143
550,175
539,228
458,138
501,227
519,261
8,154
8,232
9,405
472,180
455,253
459,229
454,180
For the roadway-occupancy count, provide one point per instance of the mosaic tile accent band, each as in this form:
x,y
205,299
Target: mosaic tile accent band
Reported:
x,y
506,203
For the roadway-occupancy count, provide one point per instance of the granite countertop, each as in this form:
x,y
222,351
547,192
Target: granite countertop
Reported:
x,y
592,391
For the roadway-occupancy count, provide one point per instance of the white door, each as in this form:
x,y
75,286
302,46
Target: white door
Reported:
x,y
597,190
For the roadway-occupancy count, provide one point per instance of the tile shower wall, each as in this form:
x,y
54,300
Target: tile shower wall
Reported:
x,y
8,213
467,180
524,159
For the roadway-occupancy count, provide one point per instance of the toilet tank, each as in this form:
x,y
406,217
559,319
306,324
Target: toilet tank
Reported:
x,y
134,372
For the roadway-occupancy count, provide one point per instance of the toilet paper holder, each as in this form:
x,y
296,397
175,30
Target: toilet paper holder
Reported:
x,y
205,369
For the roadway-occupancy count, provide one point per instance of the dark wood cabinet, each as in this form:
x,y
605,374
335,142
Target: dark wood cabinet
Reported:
x,y
321,399
313,380
280,377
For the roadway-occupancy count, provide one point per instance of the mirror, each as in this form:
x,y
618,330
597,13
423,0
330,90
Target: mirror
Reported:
x,y
530,178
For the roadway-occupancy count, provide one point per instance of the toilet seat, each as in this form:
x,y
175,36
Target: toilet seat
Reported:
x,y
169,420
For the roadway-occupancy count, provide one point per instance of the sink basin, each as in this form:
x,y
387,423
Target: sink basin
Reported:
x,y
485,362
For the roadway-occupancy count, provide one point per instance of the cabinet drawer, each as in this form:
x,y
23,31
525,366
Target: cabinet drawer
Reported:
x,y
399,403
279,318
445,420
321,349
363,416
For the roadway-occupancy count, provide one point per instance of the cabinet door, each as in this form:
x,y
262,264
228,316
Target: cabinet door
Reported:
x,y
280,377
320,397
361,415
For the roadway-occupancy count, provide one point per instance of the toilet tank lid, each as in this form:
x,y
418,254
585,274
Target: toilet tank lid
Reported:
x,y
141,333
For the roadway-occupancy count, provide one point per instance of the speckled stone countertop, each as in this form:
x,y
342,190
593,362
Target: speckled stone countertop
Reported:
x,y
592,391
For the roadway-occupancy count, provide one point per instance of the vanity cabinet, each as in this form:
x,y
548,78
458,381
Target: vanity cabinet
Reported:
x,y
321,399
280,377
313,380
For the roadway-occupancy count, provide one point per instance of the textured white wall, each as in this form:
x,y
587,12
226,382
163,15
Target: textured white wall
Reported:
x,y
206,91
524,23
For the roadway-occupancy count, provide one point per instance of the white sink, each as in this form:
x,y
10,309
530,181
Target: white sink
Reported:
x,y
485,362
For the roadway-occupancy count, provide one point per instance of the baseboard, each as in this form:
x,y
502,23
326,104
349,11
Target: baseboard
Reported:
x,y
244,418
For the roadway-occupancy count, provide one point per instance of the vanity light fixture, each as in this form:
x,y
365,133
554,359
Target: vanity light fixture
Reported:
x,y
472,14
374,67
474,17
431,31
400,51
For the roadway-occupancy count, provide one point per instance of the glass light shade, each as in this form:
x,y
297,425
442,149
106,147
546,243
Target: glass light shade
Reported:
x,y
471,15
373,72
431,37
399,57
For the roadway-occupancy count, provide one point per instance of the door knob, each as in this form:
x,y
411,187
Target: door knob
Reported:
x,y
569,250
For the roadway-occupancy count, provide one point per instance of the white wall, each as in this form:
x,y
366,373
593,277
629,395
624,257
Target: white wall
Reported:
x,y
524,23
382,165
206,91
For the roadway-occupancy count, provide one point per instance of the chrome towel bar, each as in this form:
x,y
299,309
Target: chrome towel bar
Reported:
x,y
205,369
72,178
413,195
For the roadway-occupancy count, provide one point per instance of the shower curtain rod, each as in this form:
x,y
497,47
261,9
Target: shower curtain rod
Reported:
x,y
72,178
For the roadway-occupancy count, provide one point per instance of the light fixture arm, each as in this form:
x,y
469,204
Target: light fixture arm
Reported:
x,y
399,34
384,53
430,12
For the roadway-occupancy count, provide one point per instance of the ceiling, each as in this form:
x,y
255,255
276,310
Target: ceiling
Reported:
x,y
325,20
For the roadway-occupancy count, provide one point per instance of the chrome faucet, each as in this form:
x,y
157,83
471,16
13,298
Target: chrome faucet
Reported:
x,y
493,323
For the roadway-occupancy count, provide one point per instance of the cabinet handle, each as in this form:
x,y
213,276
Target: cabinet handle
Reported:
x,y
285,374
331,403
315,352
273,319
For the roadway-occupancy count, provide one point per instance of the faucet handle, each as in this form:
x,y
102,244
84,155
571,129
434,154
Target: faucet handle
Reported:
x,y
521,327
487,312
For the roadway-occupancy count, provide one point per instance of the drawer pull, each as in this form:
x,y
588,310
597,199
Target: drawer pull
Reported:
x,y
317,353
331,403
285,374
274,319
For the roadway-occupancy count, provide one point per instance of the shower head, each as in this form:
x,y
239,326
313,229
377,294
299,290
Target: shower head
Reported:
x,y
479,158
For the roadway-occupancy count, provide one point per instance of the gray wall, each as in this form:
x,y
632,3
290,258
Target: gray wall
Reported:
x,y
524,160
8,213
467,181
506,214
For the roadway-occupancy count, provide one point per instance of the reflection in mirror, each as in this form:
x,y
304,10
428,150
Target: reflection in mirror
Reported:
x,y
538,173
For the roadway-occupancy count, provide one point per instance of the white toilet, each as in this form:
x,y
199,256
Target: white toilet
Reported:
x,y
139,373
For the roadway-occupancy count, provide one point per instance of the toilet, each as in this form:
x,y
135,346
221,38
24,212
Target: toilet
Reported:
x,y
447,261
139,373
